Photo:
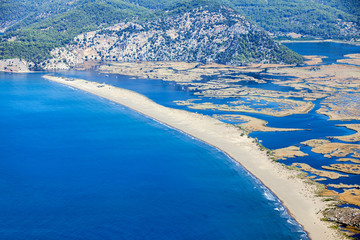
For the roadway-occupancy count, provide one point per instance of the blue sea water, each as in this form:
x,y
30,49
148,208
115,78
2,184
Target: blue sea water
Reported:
x,y
76,166
165,93
316,126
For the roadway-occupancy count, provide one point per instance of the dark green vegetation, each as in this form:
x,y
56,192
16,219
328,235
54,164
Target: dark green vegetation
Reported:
x,y
33,41
348,6
335,19
19,13
198,31
34,27
318,18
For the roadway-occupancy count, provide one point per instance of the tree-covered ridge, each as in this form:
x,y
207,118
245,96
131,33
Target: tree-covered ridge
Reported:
x,y
34,42
308,18
19,13
337,19
206,32
348,6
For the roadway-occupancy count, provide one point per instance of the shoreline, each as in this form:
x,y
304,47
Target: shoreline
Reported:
x,y
296,195
319,40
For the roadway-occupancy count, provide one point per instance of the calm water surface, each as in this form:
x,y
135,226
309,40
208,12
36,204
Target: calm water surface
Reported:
x,y
331,50
317,126
75,166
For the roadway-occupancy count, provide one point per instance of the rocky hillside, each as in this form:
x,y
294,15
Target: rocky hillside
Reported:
x,y
206,33
32,28
334,19
55,23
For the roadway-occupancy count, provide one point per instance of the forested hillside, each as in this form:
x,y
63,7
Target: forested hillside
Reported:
x,y
18,13
319,18
199,31
349,6
34,42
35,27
337,19
316,18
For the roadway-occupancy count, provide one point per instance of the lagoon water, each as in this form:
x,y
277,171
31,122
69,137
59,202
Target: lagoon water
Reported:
x,y
318,126
332,51
76,166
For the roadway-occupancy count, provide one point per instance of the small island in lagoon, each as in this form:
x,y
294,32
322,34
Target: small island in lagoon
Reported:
x,y
263,104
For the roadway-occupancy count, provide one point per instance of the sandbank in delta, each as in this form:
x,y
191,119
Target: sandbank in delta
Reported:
x,y
252,124
297,195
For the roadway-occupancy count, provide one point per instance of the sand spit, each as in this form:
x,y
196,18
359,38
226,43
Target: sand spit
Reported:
x,y
337,86
253,124
348,160
353,137
351,196
297,195
342,185
327,174
313,59
338,81
289,152
351,59
341,106
333,149
344,167
181,72
222,82
285,107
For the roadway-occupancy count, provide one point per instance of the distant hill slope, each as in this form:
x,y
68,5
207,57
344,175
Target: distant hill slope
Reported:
x,y
316,18
19,13
33,38
35,27
349,6
226,38
338,19
200,31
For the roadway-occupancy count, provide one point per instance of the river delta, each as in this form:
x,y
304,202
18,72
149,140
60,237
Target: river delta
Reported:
x,y
308,116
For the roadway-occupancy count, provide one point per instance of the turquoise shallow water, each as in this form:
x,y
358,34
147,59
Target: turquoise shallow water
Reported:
x,y
75,166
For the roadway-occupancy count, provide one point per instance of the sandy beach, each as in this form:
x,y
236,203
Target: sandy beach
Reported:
x,y
297,195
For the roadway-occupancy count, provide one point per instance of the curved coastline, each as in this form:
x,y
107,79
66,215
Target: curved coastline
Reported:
x,y
296,195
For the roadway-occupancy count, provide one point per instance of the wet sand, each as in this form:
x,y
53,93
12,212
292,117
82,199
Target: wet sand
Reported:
x,y
297,195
